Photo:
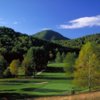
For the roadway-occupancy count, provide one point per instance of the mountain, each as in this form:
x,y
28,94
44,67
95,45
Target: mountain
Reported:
x,y
78,42
50,35
56,37
13,45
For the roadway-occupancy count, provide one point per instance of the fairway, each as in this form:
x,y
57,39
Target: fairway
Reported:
x,y
53,81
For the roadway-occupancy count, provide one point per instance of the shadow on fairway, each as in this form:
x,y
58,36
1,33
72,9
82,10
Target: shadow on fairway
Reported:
x,y
10,83
28,89
54,69
16,81
14,96
42,90
49,77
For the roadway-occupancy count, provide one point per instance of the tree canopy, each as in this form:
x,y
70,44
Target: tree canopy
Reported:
x,y
87,66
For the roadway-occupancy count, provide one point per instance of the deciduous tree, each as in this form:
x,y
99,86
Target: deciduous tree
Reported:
x,y
88,66
14,65
69,62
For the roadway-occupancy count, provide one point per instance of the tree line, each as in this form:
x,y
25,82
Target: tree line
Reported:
x,y
23,50
78,42
85,67
34,60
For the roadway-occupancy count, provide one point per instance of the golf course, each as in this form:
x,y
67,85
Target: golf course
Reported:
x,y
47,83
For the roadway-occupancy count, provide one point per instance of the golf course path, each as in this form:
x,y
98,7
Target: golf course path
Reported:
x,y
83,96
40,72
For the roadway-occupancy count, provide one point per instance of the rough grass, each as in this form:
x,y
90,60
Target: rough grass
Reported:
x,y
84,96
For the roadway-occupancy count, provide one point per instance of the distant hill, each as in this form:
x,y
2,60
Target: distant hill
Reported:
x,y
55,37
50,35
78,42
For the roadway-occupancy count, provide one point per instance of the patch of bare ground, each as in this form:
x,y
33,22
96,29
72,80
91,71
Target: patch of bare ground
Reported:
x,y
83,96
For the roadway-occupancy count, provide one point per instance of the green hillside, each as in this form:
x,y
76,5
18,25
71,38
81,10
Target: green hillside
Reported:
x,y
78,42
56,37
50,35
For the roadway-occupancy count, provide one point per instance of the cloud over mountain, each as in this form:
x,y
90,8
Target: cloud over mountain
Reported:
x,y
82,22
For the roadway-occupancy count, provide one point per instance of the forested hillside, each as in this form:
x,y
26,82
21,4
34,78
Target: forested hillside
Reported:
x,y
50,35
56,37
77,43
15,44
16,48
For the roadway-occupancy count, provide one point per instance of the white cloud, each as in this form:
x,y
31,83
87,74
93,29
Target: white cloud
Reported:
x,y
46,28
82,22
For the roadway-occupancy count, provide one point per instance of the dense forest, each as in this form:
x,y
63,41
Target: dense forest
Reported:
x,y
56,37
33,54
17,46
77,43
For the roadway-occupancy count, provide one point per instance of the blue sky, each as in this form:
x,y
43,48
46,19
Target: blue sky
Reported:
x,y
72,18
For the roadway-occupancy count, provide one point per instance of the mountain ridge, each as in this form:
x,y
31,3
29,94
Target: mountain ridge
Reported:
x,y
78,42
50,35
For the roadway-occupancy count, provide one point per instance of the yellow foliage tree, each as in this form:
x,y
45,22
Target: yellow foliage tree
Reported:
x,y
15,64
87,66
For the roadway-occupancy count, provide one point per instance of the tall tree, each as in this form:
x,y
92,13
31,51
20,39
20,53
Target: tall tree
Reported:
x,y
87,66
58,57
29,63
35,59
14,65
69,62
3,65
63,57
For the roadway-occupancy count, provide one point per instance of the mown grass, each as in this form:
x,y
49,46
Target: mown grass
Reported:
x,y
56,64
51,82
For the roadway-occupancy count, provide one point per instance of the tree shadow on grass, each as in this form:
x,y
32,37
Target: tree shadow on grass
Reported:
x,y
28,89
14,96
7,90
6,83
50,90
54,69
42,90
54,77
15,82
